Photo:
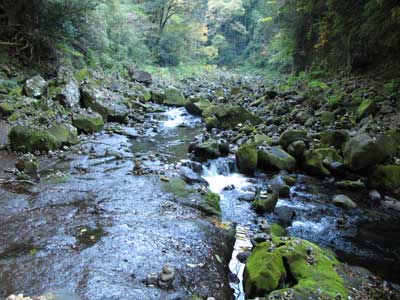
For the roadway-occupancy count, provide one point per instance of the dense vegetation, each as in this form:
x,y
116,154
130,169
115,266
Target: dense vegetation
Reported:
x,y
284,35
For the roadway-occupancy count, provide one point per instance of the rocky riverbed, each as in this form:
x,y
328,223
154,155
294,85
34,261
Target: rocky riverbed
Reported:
x,y
132,190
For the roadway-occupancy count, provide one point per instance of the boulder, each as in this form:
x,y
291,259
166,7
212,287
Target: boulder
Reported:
x,y
385,177
265,203
334,138
315,161
229,116
344,202
275,158
140,76
196,106
327,117
279,186
246,159
174,97
109,106
310,271
362,151
206,150
297,148
64,133
24,138
66,92
88,122
35,86
28,164
292,135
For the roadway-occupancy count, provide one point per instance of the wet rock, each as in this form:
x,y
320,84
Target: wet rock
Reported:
x,y
205,150
344,202
28,163
293,135
35,86
362,151
285,214
174,97
275,158
246,159
4,132
88,122
228,116
385,177
243,256
190,176
196,106
315,161
279,186
265,203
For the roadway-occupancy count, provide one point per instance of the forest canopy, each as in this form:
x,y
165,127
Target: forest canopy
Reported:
x,y
284,35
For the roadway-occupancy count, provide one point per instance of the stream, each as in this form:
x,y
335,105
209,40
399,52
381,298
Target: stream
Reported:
x,y
70,233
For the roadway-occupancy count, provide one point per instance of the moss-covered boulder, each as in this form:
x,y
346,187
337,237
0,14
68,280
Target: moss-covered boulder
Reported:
x,y
64,133
6,109
385,177
366,108
315,161
35,86
229,116
7,86
174,97
212,203
264,272
334,138
343,201
292,135
24,138
362,151
294,266
350,184
206,150
88,122
247,158
196,106
275,158
265,203
297,148
327,117
109,105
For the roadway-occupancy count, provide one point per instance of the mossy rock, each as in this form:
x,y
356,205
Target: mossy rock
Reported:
x,y
6,109
314,161
292,135
344,202
29,139
262,140
264,271
196,106
385,177
28,164
206,150
88,122
327,117
212,203
334,138
275,158
277,230
246,159
178,187
7,86
366,108
174,97
265,203
229,116
64,133
309,271
350,185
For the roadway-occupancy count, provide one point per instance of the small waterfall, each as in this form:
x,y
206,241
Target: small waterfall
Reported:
x,y
220,174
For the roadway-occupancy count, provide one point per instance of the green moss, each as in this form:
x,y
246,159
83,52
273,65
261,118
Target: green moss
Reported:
x,y
64,133
267,203
177,187
246,158
264,271
229,116
366,108
292,135
26,139
174,97
350,185
277,230
6,109
385,177
88,122
81,75
314,160
212,201
276,159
